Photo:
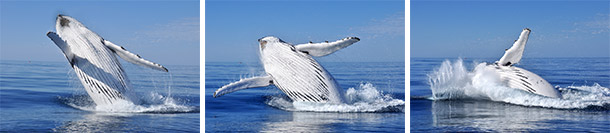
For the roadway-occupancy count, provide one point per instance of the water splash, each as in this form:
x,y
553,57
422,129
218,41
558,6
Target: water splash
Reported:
x,y
150,102
454,81
155,103
365,98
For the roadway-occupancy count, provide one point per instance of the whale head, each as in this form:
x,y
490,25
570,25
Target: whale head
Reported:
x,y
64,22
270,40
270,45
65,25
77,36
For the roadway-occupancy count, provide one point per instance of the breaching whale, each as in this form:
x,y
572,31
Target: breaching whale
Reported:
x,y
293,70
94,62
515,77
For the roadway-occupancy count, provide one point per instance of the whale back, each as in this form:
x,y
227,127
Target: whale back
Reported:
x,y
298,75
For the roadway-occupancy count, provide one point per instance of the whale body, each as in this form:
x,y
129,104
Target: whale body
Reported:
x,y
515,77
293,70
94,61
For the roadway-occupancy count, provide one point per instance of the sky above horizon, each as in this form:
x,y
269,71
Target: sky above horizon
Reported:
x,y
233,27
168,32
165,32
484,29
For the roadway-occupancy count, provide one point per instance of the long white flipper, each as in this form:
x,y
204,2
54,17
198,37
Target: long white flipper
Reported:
x,y
326,48
244,84
62,45
514,54
133,58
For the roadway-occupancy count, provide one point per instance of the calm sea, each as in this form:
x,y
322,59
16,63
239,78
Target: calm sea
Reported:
x,y
376,103
48,97
583,83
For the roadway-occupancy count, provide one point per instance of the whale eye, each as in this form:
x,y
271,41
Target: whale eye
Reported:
x,y
263,43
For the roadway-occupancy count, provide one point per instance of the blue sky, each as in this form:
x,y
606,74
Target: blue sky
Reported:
x,y
485,29
163,32
232,28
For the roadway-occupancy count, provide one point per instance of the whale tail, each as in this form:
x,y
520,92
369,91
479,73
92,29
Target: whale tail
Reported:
x,y
513,54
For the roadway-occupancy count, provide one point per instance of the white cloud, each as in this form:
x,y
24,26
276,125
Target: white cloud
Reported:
x,y
180,30
598,25
586,28
391,26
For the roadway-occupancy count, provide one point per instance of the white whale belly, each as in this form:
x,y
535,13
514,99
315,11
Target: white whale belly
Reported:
x,y
520,78
300,77
99,70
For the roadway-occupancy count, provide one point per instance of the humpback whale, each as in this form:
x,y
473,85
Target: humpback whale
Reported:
x,y
292,69
94,62
515,77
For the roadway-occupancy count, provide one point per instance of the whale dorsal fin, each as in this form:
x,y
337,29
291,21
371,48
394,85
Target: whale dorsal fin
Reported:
x,y
513,54
62,45
326,48
252,82
131,57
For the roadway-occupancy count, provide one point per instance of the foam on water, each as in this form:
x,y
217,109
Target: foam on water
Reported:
x,y
149,103
454,81
155,103
365,98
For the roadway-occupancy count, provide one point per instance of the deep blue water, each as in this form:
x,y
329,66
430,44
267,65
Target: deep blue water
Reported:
x,y
48,97
264,109
583,82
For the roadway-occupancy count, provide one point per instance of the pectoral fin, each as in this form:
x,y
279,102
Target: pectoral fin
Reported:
x,y
326,48
65,48
244,84
513,54
133,58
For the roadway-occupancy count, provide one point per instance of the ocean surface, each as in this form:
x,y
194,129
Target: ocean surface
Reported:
x,y
48,97
375,90
583,83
